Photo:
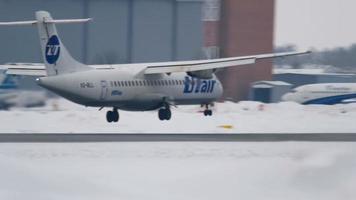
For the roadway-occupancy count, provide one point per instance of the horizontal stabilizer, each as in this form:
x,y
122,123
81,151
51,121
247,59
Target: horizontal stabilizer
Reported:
x,y
57,21
34,69
27,69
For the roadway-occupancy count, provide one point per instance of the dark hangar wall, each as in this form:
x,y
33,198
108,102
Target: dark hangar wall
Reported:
x,y
123,31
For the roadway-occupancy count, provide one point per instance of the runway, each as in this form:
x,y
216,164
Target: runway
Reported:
x,y
66,138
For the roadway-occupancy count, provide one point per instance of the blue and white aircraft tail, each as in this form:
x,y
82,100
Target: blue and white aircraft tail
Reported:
x,y
55,55
8,81
133,87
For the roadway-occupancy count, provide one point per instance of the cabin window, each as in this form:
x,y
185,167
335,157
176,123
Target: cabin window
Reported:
x,y
126,83
118,83
111,84
115,83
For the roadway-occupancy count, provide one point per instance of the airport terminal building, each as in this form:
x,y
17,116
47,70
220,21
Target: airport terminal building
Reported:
x,y
128,31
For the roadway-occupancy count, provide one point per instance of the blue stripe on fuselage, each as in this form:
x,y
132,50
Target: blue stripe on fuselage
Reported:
x,y
331,99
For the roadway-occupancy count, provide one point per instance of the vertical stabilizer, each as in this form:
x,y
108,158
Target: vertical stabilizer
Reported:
x,y
55,56
8,81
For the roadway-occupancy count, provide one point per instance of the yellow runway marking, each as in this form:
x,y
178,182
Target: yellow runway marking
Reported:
x,y
226,126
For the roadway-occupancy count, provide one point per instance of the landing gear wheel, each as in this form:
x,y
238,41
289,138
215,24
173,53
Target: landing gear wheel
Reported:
x,y
161,114
168,114
109,116
208,112
164,114
115,116
112,116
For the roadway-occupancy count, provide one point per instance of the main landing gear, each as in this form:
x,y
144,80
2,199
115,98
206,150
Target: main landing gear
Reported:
x,y
165,113
112,116
207,111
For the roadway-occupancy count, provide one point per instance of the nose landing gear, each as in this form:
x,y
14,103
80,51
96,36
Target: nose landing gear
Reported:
x,y
207,111
112,116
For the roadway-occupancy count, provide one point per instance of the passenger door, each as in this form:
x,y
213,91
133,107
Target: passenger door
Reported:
x,y
104,90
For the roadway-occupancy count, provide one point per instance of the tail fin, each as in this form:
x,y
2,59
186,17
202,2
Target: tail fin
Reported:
x,y
55,56
8,81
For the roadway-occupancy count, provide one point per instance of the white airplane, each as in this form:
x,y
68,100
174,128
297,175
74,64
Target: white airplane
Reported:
x,y
132,87
324,93
11,96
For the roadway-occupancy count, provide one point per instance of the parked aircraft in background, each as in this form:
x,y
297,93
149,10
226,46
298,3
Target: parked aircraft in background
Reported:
x,y
133,87
11,96
325,93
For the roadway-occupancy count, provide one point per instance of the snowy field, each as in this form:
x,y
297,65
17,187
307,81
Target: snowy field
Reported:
x,y
178,171
60,115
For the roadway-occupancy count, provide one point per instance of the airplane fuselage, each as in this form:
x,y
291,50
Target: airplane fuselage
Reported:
x,y
127,89
327,93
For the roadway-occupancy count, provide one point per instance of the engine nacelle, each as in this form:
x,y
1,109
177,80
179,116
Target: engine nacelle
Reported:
x,y
202,74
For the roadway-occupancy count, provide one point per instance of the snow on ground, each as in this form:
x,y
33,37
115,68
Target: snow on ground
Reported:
x,y
60,115
176,171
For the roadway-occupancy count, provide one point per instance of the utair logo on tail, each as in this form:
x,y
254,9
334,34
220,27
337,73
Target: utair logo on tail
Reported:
x,y
194,85
52,49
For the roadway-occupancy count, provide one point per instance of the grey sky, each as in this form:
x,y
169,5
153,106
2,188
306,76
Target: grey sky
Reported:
x,y
315,23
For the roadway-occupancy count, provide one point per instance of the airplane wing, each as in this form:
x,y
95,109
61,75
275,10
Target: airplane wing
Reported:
x,y
38,69
190,66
